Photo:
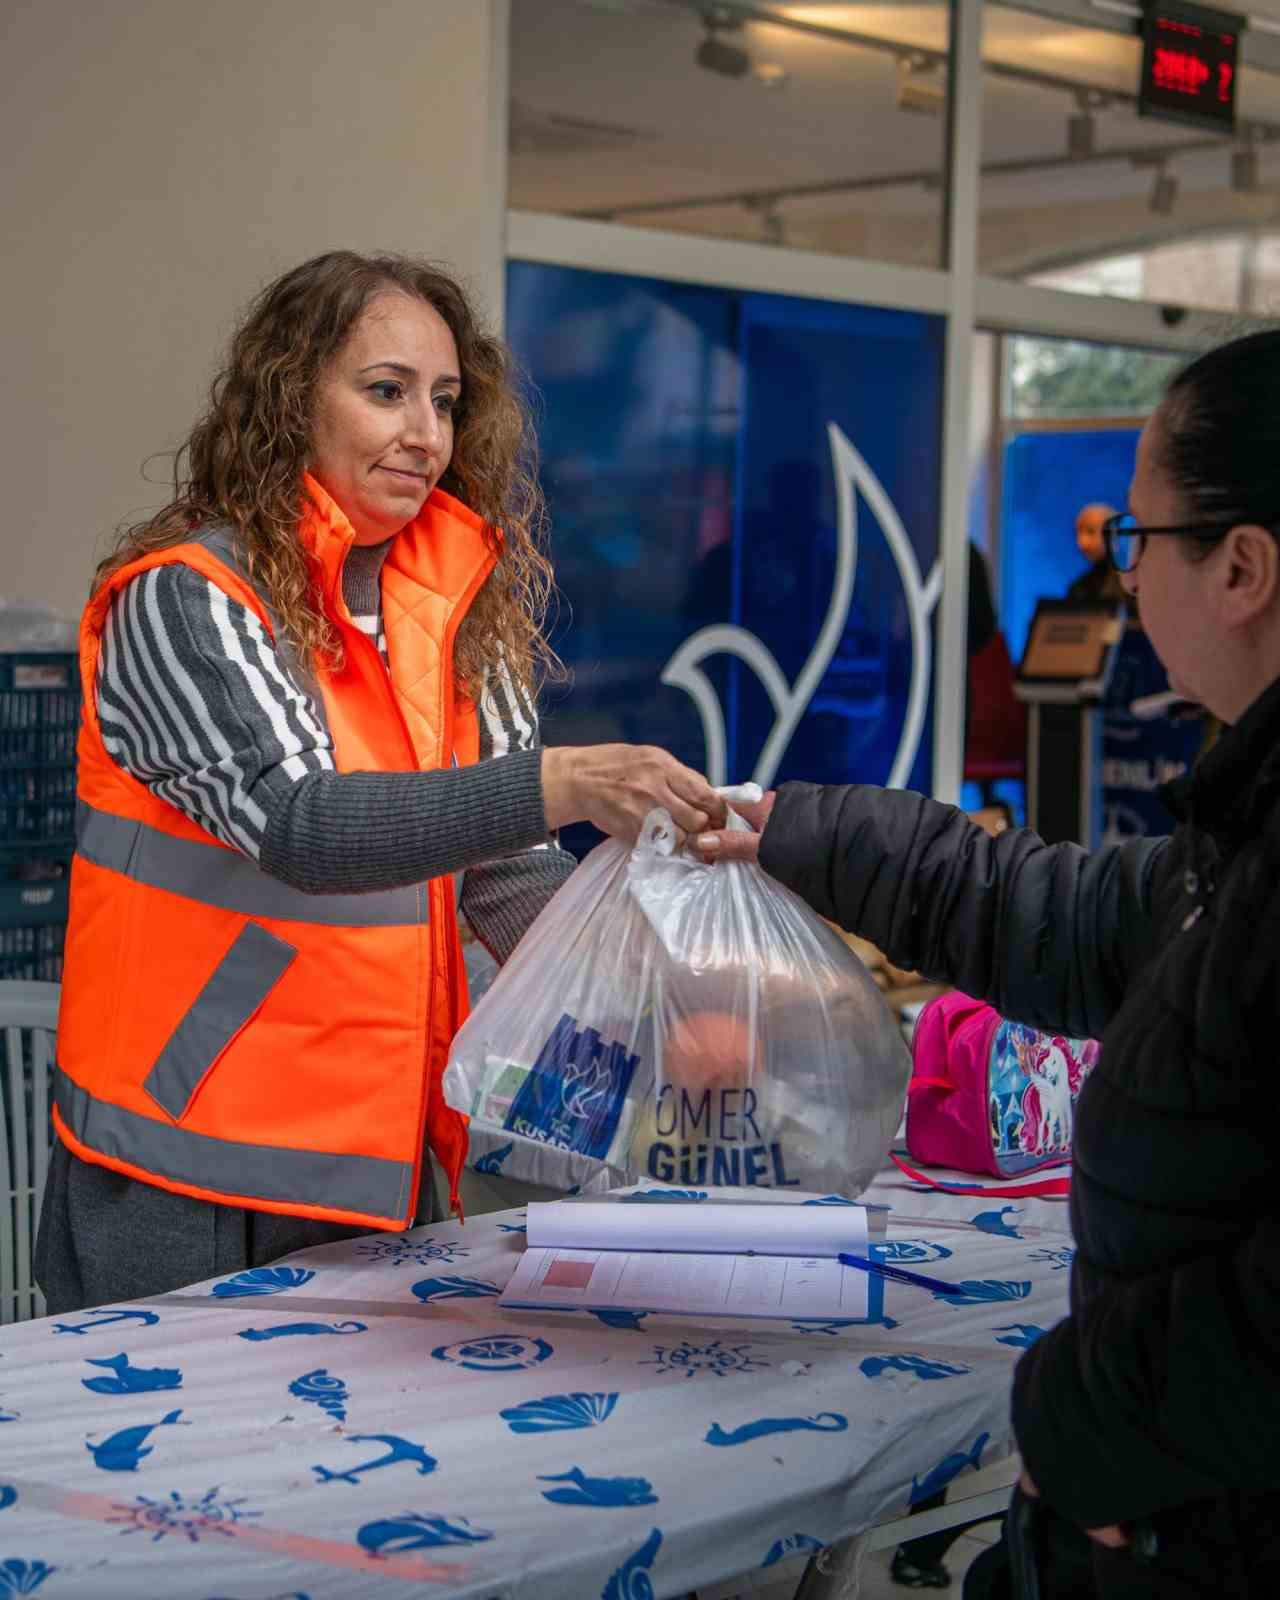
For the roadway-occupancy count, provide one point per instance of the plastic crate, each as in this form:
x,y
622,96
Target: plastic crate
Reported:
x,y
39,721
33,924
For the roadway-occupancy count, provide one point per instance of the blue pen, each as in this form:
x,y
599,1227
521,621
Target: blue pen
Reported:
x,y
883,1270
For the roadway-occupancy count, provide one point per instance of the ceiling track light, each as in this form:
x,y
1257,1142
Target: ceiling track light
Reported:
x,y
1164,192
920,88
1244,164
716,54
772,228
1081,130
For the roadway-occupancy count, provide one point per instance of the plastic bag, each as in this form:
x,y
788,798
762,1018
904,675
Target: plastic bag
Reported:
x,y
668,1019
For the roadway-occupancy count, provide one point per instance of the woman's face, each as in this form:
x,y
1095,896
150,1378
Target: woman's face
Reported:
x,y
384,415
1168,587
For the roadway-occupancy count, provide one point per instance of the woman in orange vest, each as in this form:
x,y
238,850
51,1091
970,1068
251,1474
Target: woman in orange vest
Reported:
x,y
309,686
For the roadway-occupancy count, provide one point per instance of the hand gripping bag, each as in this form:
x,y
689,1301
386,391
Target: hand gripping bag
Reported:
x,y
668,1019
989,1096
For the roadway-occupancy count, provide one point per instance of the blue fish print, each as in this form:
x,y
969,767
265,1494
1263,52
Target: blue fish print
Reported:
x,y
262,1280
22,1577
993,1222
622,1319
586,1491
397,1450
429,1290
123,1451
100,1319
492,1163
823,1422
287,1330
131,1380
657,1196
8,1494
318,1388
412,1531
792,1545
1022,1335
921,1366
980,1291
556,1413
631,1580
948,1468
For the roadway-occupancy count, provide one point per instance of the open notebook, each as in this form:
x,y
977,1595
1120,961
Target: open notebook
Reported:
x,y
712,1257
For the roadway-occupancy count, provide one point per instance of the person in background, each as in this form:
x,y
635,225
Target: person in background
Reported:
x,y
309,699
1100,581
1148,1420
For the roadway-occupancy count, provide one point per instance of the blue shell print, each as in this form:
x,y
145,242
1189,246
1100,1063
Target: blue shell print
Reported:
x,y
321,1389
262,1280
980,1291
22,1577
556,1413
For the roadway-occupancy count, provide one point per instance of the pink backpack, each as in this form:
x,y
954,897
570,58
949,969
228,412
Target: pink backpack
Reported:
x,y
991,1097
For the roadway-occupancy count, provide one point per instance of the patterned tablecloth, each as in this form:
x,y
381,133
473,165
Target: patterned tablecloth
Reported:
x,y
362,1421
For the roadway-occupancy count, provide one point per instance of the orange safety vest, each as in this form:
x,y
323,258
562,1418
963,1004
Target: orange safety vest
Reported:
x,y
223,1035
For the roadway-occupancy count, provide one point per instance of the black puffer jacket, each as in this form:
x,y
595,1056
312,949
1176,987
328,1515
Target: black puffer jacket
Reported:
x,y
1163,1386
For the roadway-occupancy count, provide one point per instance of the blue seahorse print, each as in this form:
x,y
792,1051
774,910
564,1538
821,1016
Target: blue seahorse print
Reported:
x,y
920,1366
287,1330
492,1163
948,1468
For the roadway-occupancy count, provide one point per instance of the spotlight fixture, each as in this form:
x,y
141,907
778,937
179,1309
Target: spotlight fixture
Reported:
x,y
1081,129
919,87
772,227
769,75
717,54
1164,192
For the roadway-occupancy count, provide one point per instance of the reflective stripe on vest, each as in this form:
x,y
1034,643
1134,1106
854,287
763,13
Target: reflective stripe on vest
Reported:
x,y
230,881
267,1172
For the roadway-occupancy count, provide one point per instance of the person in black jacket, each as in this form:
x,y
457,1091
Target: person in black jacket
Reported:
x,y
1150,1417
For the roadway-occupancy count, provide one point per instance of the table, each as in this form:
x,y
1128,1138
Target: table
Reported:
x,y
361,1421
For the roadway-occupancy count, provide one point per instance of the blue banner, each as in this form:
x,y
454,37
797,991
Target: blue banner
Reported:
x,y
744,507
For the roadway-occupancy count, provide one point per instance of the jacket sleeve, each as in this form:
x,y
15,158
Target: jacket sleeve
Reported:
x,y
1159,1392
1048,934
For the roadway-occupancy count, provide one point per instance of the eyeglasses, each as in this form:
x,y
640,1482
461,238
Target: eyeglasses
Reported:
x,y
1125,539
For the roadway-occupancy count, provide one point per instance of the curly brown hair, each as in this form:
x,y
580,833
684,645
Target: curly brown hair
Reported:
x,y
244,460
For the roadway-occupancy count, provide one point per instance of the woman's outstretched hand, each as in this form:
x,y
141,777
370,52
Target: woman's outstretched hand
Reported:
x,y
724,844
616,786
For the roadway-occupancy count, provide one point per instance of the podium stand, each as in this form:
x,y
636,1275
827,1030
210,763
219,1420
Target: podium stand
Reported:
x,y
1062,679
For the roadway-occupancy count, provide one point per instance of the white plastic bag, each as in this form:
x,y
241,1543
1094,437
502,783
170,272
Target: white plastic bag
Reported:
x,y
667,1019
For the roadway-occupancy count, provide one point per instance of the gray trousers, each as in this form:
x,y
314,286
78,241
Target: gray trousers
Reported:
x,y
105,1238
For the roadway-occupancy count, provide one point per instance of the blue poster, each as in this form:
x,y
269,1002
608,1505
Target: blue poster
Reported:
x,y
743,492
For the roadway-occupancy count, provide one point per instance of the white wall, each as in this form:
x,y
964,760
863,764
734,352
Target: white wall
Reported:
x,y
165,158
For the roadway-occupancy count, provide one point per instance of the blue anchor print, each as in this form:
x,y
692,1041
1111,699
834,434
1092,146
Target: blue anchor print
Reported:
x,y
287,1330
492,1163
22,1577
131,1380
921,1366
597,1491
948,1468
100,1319
123,1450
412,1531
993,1222
513,1227
831,1325
823,1422
452,1287
398,1449
631,1580
8,1495
1022,1335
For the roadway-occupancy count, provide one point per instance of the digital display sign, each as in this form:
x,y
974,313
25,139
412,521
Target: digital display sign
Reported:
x,y
1189,62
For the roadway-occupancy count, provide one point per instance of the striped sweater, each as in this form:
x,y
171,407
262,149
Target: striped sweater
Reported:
x,y
195,703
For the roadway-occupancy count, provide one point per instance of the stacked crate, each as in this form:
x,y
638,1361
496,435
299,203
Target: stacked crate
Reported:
x,y
39,720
